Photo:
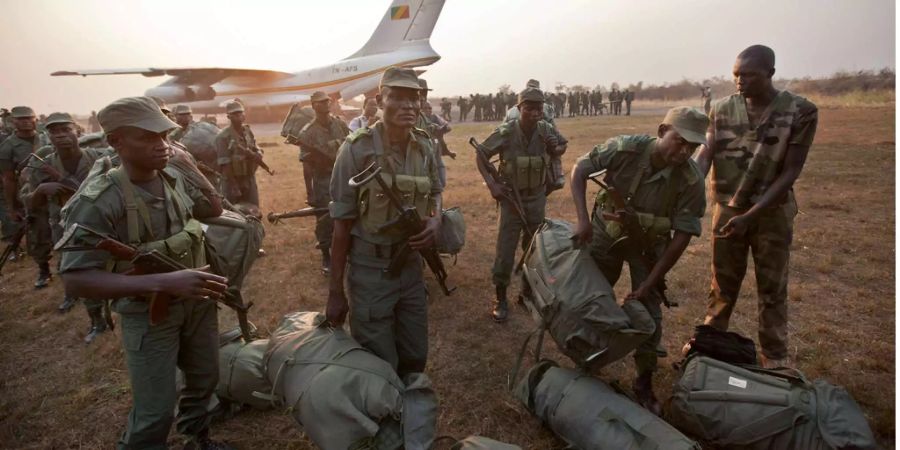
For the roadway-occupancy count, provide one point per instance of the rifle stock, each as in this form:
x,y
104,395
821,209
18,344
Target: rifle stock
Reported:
x,y
302,212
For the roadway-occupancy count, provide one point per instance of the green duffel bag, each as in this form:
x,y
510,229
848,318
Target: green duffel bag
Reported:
x,y
452,237
342,395
754,408
235,239
590,415
242,374
576,304
474,443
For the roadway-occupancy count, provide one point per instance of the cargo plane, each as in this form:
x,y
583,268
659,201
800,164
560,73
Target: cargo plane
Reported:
x,y
401,39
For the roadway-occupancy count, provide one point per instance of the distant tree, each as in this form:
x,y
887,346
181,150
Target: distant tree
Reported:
x,y
504,89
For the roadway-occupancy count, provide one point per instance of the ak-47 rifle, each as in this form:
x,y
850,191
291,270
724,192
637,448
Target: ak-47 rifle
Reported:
x,y
256,154
512,198
69,182
15,241
148,262
634,232
409,223
275,218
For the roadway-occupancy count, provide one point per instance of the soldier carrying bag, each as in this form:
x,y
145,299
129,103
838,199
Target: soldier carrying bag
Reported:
x,y
452,237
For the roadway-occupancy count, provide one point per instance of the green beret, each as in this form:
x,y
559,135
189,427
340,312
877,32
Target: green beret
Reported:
x,y
139,112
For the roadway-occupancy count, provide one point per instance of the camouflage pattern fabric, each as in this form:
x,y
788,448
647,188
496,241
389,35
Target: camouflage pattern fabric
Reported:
x,y
232,149
318,147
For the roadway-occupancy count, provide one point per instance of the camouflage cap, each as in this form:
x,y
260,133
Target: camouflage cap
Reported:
x,y
183,109
530,94
400,77
233,107
690,123
139,112
19,112
532,83
58,117
423,85
162,104
319,96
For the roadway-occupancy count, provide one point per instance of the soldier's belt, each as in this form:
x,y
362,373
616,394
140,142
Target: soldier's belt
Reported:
x,y
369,249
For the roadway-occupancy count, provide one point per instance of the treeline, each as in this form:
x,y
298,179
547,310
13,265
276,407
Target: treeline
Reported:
x,y
842,82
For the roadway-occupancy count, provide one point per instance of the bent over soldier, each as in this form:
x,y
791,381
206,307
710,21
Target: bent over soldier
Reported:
x,y
319,142
525,146
388,313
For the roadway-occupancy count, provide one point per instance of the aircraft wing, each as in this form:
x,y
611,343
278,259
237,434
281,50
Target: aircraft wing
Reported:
x,y
186,75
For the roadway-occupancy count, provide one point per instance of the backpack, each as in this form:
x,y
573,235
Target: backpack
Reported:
x,y
200,141
748,407
233,239
342,395
293,124
452,237
589,414
573,301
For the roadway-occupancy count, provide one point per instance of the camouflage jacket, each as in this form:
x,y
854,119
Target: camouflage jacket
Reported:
x,y
319,144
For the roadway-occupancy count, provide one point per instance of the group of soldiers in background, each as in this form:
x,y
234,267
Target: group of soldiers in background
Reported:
x,y
493,107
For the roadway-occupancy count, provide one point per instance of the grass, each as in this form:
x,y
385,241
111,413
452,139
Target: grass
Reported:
x,y
55,392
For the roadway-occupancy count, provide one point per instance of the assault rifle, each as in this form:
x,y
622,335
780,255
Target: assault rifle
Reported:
x,y
409,223
634,232
275,218
15,241
513,199
256,154
148,262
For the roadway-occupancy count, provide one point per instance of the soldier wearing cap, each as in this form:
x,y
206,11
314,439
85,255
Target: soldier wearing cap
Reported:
x,y
13,152
525,146
238,157
49,182
319,142
142,205
388,315
665,192
184,117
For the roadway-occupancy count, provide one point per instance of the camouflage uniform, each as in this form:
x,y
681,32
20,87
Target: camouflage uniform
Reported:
x,y
747,158
523,165
666,200
318,148
389,316
233,149
13,152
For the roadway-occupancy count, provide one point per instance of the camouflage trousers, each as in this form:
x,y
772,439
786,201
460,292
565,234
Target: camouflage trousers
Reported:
x,y
610,261
768,238
511,232
388,316
39,237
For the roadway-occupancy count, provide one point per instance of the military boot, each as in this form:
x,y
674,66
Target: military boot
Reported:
x,y
43,279
326,261
98,324
501,309
643,391
67,304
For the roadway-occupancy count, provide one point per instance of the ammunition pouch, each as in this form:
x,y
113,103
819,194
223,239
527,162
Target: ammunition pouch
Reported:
x,y
525,172
375,209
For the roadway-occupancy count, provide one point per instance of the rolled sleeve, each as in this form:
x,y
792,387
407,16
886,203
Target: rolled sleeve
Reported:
x,y
343,197
85,212
493,144
689,209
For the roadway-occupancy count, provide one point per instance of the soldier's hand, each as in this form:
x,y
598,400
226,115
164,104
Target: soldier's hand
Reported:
x,y
551,142
194,283
583,233
426,238
735,227
641,292
336,308
51,172
498,190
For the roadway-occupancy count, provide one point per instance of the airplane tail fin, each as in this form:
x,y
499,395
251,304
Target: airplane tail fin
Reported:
x,y
404,21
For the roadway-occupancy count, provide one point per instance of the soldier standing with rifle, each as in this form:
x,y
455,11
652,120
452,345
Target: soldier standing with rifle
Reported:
x,y
388,312
651,207
54,174
149,209
238,158
319,143
525,146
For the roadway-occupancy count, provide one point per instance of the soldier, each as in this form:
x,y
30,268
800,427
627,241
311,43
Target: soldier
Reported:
x,y
319,143
437,128
525,146
184,117
629,97
368,117
600,105
665,194
94,123
13,153
463,105
706,98
445,109
48,186
758,142
142,205
387,315
238,157
476,103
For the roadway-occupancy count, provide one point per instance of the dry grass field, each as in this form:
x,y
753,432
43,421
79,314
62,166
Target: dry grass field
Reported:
x,y
55,392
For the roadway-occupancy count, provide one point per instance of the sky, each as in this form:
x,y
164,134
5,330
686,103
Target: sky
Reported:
x,y
483,43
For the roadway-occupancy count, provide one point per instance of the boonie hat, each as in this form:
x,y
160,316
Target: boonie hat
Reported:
x,y
233,106
183,109
400,77
690,123
530,94
20,112
58,117
423,85
139,112
318,96
533,83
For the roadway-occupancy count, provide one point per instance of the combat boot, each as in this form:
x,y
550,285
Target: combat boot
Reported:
x,y
67,304
98,324
643,392
501,309
43,279
326,261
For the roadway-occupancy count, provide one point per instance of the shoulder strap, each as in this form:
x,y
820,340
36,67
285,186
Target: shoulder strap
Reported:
x,y
643,164
668,202
133,207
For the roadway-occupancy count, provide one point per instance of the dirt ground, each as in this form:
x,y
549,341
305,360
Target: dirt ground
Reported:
x,y
55,392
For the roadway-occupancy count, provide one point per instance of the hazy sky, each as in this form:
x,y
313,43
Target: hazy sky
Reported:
x,y
483,43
